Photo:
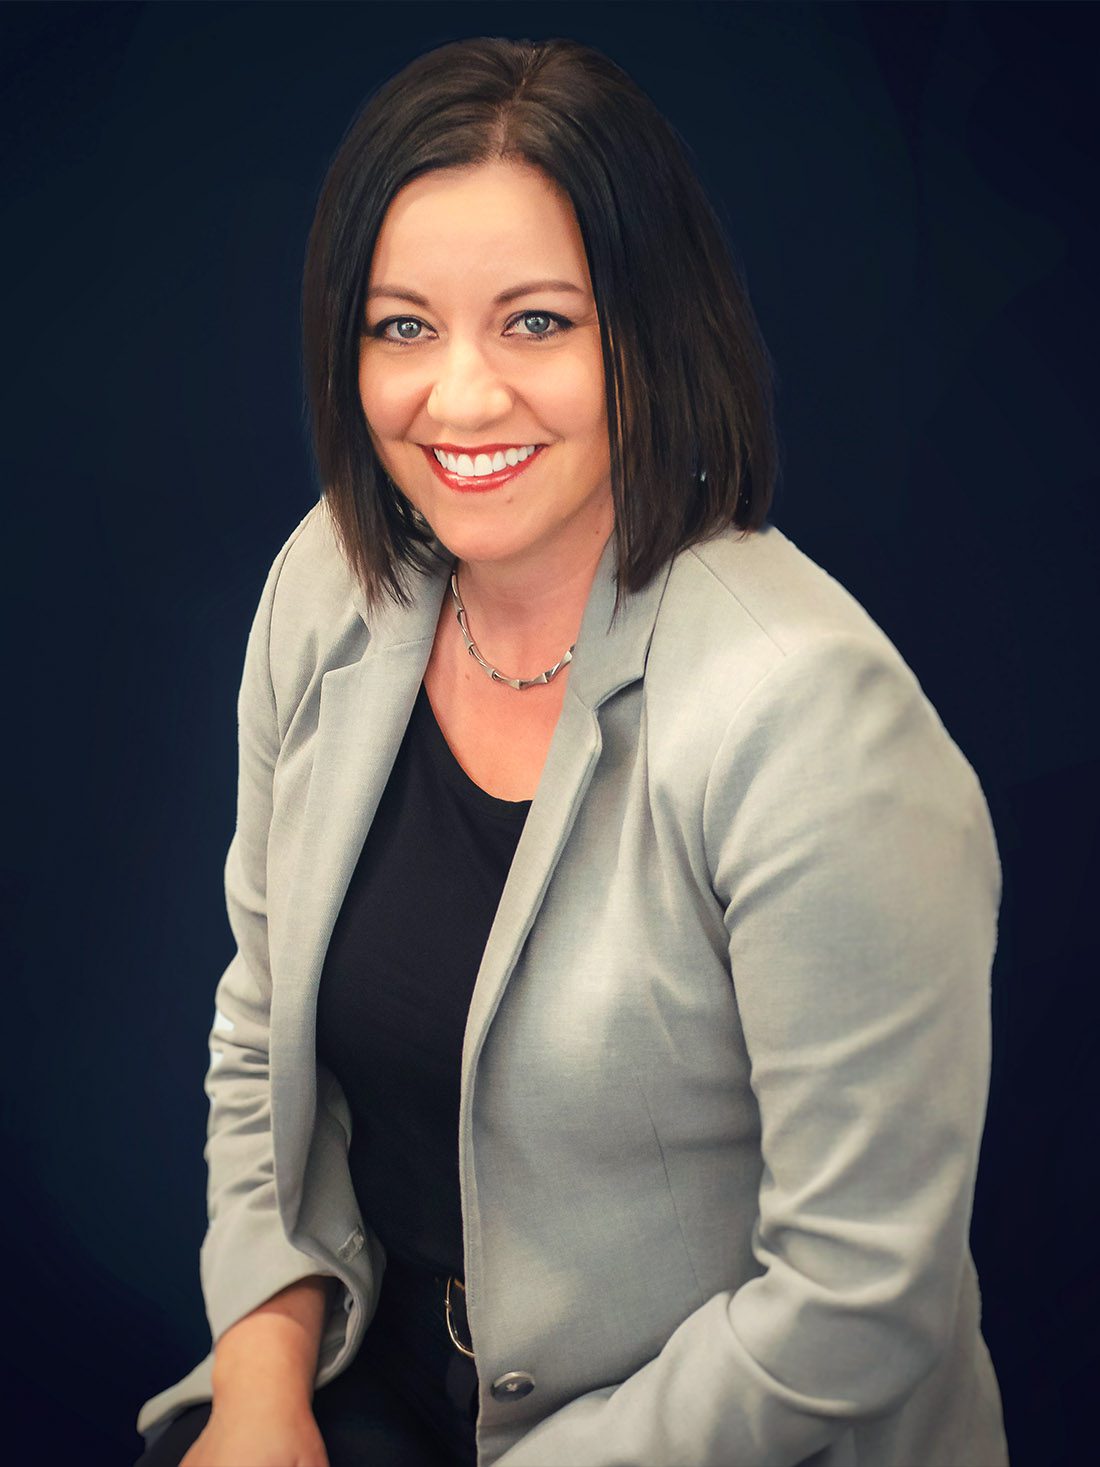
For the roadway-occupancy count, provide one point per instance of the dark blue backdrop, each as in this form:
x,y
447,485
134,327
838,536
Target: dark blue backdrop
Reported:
x,y
909,187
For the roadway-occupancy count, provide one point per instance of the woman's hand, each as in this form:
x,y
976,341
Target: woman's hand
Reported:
x,y
259,1434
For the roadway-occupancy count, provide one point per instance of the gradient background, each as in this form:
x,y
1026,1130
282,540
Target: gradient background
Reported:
x,y
910,188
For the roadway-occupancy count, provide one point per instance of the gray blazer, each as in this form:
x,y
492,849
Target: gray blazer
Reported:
x,y
725,1068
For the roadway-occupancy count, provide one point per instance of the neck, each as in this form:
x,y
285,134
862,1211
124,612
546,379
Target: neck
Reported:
x,y
520,613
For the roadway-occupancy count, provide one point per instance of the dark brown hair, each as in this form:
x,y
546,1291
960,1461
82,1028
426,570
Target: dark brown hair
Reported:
x,y
688,378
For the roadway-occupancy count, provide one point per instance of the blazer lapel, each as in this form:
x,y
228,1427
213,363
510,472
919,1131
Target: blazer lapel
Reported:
x,y
609,655
364,711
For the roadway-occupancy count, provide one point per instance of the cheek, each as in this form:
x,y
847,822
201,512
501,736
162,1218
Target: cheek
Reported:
x,y
386,404
574,397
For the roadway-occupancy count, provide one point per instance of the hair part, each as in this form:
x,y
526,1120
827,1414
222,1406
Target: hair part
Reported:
x,y
688,378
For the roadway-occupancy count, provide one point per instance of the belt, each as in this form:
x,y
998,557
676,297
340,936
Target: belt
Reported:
x,y
420,1344
417,1281
457,1282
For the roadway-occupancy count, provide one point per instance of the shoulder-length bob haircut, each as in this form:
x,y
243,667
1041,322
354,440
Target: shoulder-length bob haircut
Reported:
x,y
688,378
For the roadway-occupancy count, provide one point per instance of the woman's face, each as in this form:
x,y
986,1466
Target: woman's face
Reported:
x,y
459,367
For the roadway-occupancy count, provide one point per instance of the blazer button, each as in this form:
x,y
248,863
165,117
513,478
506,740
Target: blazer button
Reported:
x,y
513,1385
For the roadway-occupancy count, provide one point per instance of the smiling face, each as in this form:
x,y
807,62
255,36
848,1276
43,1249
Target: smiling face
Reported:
x,y
463,368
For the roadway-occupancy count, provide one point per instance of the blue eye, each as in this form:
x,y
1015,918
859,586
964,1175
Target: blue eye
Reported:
x,y
562,323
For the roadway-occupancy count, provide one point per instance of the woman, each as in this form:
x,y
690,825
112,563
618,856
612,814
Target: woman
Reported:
x,y
582,816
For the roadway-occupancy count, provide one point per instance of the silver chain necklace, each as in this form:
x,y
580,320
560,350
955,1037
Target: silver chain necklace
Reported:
x,y
519,683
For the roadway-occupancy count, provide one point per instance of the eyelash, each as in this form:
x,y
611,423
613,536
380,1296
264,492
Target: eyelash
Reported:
x,y
563,322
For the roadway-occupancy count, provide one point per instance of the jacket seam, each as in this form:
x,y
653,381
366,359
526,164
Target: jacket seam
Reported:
x,y
671,1192
732,594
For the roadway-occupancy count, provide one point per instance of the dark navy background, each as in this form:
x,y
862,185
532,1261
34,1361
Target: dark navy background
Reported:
x,y
910,189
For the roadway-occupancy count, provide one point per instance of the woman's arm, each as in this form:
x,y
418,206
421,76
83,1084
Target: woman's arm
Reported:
x,y
246,1258
265,1300
850,847
263,1386
273,1351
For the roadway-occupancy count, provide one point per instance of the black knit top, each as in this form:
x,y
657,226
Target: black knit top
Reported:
x,y
396,985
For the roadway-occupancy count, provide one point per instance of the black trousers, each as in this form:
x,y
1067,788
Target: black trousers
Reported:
x,y
408,1399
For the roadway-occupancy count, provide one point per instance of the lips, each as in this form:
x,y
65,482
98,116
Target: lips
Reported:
x,y
470,484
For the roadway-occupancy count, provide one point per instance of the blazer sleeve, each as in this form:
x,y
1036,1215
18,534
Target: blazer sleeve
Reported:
x,y
245,1256
850,847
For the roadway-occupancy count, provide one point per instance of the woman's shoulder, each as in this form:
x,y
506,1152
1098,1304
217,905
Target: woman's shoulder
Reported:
x,y
761,657
313,579
312,605
740,607
760,589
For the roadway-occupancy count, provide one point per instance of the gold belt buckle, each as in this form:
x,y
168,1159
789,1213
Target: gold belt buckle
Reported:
x,y
451,1279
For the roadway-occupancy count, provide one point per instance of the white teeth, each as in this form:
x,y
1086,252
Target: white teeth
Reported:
x,y
482,464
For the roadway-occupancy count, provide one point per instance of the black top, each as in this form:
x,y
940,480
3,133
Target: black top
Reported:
x,y
396,985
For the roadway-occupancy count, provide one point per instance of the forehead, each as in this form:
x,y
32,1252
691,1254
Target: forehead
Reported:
x,y
470,226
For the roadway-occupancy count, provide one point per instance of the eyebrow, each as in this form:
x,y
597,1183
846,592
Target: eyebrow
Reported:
x,y
503,298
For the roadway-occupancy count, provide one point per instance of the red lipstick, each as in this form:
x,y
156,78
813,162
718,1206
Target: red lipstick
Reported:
x,y
467,484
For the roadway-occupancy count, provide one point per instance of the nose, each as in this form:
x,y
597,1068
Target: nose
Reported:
x,y
468,392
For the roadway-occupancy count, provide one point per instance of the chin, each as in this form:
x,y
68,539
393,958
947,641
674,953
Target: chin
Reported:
x,y
481,548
